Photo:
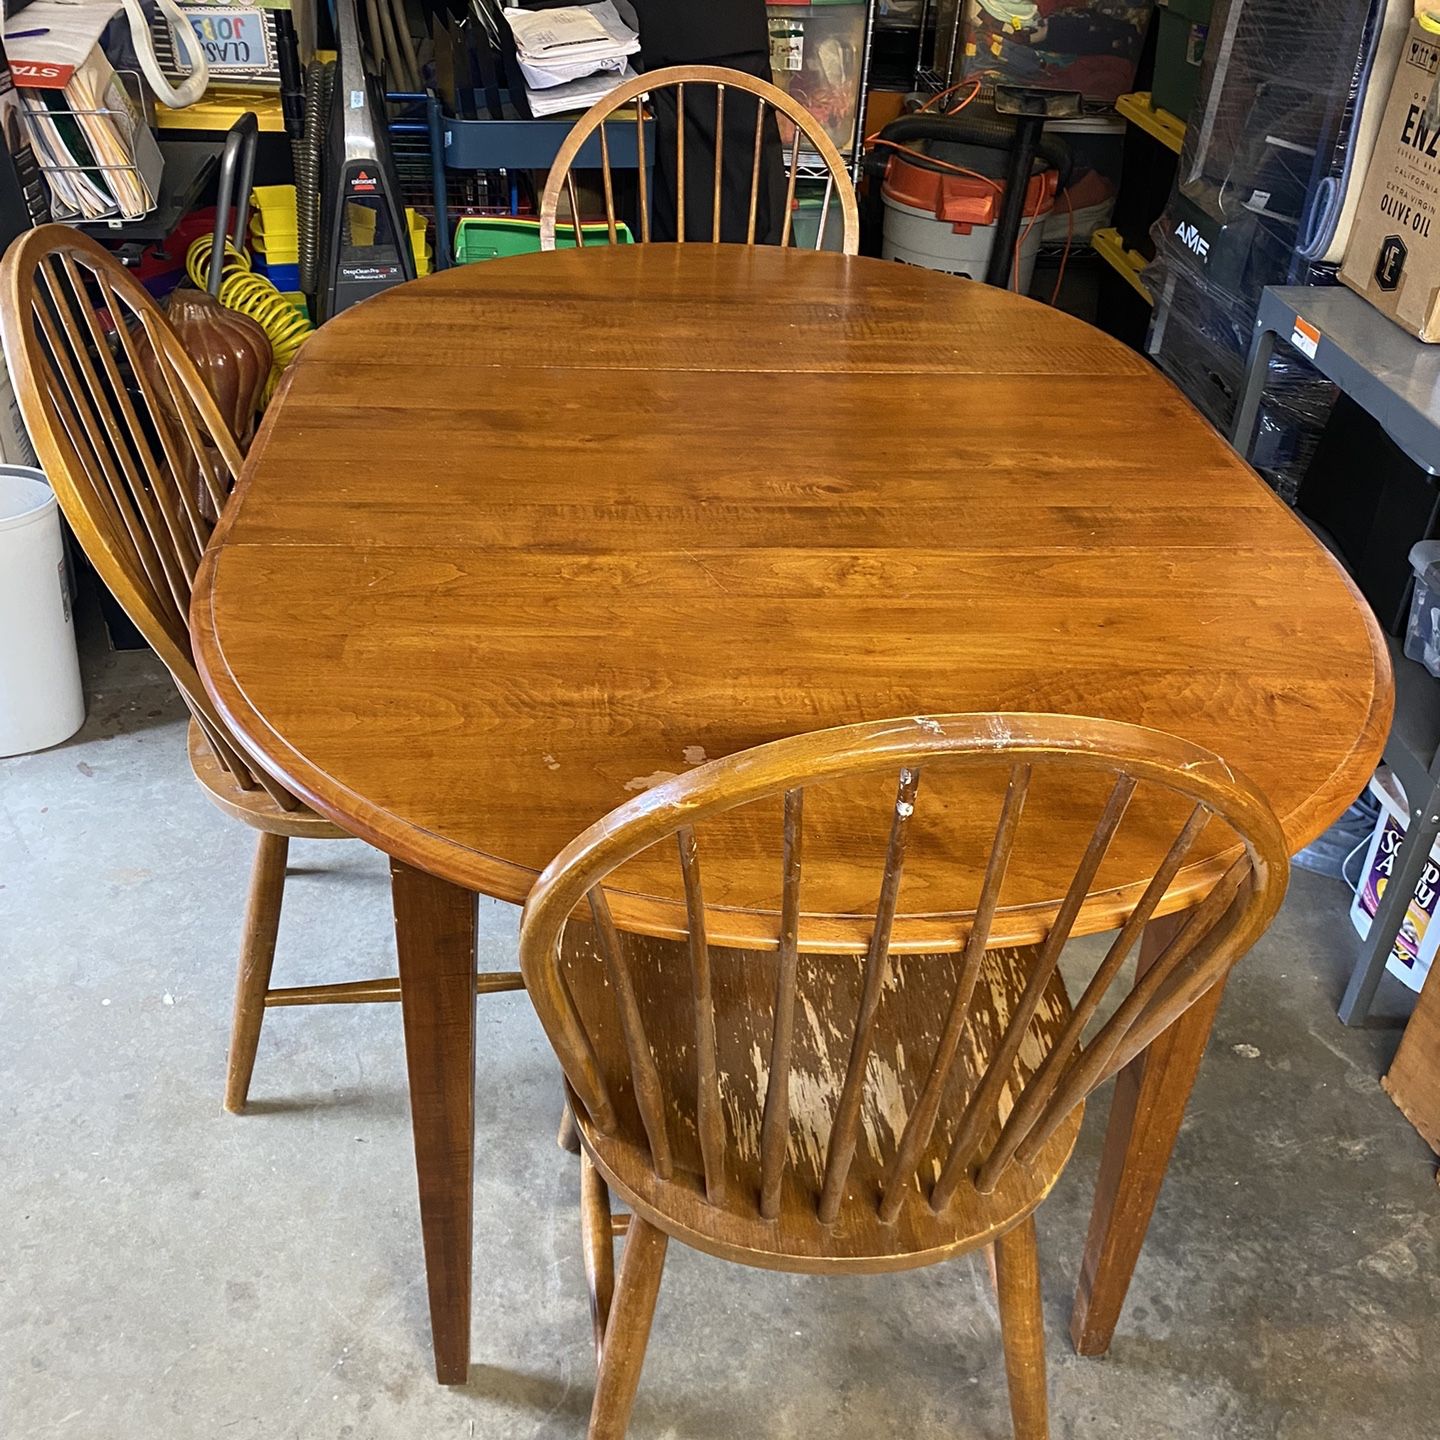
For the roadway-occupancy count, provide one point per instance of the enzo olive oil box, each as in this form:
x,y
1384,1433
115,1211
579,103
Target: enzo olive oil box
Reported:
x,y
1393,257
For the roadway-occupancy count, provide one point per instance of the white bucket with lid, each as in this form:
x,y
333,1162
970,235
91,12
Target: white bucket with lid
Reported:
x,y
41,702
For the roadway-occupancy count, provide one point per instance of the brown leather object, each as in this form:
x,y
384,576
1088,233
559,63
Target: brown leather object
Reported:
x,y
231,352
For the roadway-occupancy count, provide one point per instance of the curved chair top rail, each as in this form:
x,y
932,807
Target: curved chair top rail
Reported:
x,y
770,98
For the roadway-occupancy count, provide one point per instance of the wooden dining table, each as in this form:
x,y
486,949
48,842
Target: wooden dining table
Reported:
x,y
517,540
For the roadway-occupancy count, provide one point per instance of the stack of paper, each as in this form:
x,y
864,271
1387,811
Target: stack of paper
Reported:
x,y
90,140
98,156
573,55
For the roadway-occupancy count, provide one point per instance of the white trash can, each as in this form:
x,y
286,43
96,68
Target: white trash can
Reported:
x,y
41,702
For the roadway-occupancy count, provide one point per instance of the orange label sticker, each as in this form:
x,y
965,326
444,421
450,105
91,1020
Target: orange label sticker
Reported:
x,y
1305,338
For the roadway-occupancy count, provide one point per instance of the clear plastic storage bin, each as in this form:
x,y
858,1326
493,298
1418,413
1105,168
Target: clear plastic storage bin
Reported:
x,y
1422,633
816,53
1087,45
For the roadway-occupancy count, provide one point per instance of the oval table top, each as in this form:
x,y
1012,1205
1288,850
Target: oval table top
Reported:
x,y
522,538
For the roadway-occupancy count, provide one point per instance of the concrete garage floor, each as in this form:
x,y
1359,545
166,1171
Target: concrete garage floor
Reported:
x,y
169,1271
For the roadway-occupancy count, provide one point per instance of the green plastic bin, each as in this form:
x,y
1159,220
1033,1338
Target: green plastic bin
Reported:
x,y
496,237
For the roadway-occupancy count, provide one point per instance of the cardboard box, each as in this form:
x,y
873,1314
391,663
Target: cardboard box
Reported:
x,y
15,446
1393,256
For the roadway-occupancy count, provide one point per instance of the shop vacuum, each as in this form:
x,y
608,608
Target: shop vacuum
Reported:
x,y
364,242
952,192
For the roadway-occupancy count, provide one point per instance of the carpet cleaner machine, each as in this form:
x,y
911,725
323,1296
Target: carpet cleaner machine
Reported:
x,y
351,237
363,241
968,193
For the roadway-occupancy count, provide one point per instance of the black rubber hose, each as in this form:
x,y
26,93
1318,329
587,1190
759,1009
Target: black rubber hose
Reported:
x,y
307,169
987,131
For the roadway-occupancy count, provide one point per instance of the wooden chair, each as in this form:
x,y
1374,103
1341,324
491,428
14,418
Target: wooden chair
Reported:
x,y
862,1112
769,99
142,462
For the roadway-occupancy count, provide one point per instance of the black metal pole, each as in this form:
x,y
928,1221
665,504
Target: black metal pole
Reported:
x,y
1022,161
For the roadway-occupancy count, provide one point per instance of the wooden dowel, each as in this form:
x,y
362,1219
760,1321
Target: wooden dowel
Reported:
x,y
775,1124
1098,1058
642,174
709,1117
200,526
825,211
755,170
567,1136
184,544
72,397
379,992
593,1090
609,184
229,757
1044,1081
680,164
790,190
1022,1329
645,1075
597,1242
981,1110
184,411
246,776
921,1124
185,414
574,209
845,1130
719,162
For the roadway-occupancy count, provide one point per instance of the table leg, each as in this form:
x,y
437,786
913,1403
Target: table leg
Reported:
x,y
1146,1109
1252,391
435,936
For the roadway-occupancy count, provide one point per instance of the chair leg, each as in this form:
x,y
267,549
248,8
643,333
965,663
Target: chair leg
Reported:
x,y
1022,1328
568,1137
597,1241
257,955
628,1331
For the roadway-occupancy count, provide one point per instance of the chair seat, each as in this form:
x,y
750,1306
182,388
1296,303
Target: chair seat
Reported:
x,y
257,807
744,988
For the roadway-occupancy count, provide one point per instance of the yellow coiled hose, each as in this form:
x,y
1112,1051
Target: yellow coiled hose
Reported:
x,y
250,294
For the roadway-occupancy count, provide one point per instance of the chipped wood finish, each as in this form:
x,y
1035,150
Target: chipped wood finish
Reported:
x,y
713,82
830,988
929,1101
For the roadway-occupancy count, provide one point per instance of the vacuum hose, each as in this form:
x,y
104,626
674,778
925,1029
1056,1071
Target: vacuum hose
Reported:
x,y
319,81
988,131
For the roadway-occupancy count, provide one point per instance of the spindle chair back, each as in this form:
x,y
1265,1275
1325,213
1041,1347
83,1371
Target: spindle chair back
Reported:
x,y
692,84
808,1111
142,463
132,442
